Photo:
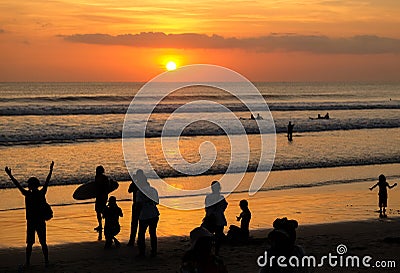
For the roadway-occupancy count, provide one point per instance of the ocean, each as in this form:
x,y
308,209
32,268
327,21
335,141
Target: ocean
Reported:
x,y
79,126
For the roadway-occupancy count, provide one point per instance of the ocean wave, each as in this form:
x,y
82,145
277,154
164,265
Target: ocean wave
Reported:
x,y
219,96
263,189
119,108
163,172
113,130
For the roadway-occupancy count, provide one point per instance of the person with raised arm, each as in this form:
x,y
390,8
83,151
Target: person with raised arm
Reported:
x,y
35,201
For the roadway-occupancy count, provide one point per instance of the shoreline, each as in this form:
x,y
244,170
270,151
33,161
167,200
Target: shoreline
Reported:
x,y
314,205
4,186
368,237
278,180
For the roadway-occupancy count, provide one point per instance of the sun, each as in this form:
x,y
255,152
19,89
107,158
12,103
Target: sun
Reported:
x,y
170,66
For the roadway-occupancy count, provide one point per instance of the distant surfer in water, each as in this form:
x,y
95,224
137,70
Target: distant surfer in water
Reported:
x,y
290,131
383,195
321,117
102,183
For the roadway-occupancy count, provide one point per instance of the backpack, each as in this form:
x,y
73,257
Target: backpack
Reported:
x,y
47,212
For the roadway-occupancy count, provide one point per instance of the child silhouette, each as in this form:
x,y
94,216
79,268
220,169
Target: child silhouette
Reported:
x,y
241,234
111,214
383,195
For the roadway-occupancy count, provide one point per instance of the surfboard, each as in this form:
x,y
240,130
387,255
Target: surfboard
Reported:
x,y
88,190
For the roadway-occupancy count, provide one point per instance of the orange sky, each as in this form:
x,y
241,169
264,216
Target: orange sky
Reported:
x,y
309,40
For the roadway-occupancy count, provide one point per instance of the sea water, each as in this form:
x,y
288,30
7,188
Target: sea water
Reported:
x,y
79,126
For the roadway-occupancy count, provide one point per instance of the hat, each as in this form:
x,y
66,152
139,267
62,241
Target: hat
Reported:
x,y
197,234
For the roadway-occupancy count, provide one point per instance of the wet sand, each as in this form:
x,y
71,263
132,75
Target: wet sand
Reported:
x,y
328,216
361,238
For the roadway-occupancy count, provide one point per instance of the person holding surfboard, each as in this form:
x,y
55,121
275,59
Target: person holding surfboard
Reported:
x,y
383,195
147,201
35,201
102,184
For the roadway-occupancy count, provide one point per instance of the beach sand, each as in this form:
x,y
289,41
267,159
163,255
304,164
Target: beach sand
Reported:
x,y
327,215
361,238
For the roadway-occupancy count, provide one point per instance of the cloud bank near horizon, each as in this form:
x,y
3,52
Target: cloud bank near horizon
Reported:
x,y
286,42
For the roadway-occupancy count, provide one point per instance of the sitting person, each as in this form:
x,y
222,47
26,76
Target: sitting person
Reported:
x,y
210,223
111,214
199,259
241,234
282,242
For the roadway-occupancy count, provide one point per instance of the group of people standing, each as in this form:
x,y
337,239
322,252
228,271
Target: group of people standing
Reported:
x,y
145,214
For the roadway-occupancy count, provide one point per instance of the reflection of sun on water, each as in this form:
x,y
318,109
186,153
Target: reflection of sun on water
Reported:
x,y
170,66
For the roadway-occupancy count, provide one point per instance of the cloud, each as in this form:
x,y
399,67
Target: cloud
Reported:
x,y
287,42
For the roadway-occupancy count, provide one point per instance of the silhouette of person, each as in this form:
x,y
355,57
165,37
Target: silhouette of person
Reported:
x,y
215,204
200,258
290,131
102,184
210,223
111,214
147,200
35,200
282,242
241,234
258,116
252,117
326,116
383,195
135,214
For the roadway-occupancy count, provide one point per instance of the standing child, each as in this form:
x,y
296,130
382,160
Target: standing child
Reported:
x,y
383,195
111,214
241,234
35,201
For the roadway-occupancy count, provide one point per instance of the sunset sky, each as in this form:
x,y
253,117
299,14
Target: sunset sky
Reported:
x,y
280,40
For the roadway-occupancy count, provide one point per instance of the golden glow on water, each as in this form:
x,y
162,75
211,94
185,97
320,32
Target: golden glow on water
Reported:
x,y
307,205
79,160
